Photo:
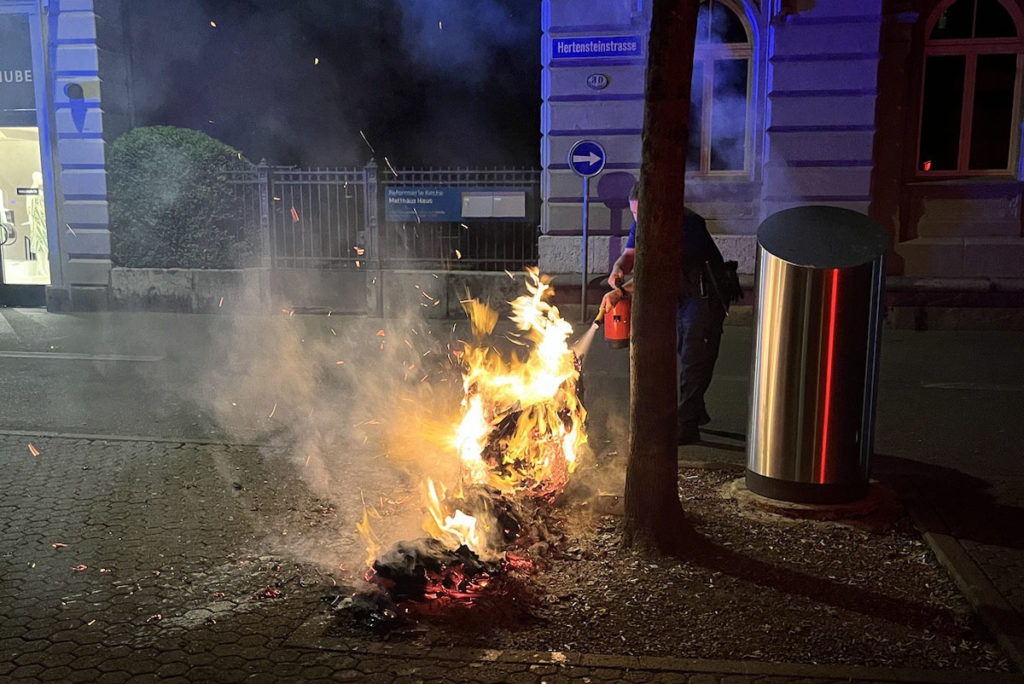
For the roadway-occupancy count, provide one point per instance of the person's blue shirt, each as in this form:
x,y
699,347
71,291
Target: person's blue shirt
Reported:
x,y
696,247
697,244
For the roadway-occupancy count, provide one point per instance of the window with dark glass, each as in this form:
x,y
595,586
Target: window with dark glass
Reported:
x,y
720,92
972,79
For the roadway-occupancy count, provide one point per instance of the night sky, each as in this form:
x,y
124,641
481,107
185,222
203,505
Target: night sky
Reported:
x,y
464,92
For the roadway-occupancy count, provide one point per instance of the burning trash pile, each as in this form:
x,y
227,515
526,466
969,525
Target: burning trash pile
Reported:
x,y
518,439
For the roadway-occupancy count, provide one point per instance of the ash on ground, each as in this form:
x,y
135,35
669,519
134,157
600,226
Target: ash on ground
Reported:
x,y
803,592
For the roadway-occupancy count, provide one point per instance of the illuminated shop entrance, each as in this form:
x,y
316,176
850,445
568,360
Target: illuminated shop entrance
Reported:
x,y
24,247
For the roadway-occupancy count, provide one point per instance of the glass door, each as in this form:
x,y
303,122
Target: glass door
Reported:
x,y
24,247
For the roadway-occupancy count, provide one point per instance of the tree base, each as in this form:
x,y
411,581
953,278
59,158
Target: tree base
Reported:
x,y
671,534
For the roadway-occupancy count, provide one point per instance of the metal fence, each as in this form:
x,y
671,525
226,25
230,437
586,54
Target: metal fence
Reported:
x,y
336,219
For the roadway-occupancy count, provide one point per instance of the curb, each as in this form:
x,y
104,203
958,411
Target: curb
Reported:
x,y
998,616
89,437
310,635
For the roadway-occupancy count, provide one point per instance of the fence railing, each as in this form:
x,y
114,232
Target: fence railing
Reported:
x,y
340,218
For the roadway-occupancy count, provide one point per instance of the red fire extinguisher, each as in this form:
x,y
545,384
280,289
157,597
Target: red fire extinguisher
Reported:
x,y
616,321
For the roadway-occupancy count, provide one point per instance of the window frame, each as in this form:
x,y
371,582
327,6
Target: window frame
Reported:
x,y
707,54
971,49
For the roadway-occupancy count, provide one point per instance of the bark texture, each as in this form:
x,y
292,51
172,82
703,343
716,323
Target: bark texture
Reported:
x,y
654,519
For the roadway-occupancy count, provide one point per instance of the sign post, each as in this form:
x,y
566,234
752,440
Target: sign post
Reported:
x,y
587,158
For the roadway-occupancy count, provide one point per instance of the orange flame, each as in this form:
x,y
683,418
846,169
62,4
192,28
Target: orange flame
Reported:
x,y
521,427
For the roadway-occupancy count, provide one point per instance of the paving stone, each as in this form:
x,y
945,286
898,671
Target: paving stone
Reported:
x,y
84,675
56,674
113,677
173,669
26,671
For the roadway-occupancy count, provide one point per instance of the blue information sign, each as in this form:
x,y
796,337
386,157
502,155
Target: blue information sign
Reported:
x,y
587,158
596,46
422,204
442,204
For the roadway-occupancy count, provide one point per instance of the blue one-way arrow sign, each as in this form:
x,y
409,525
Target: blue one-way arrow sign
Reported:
x,y
587,158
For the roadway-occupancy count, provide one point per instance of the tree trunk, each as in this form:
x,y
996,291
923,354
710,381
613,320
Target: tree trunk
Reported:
x,y
654,517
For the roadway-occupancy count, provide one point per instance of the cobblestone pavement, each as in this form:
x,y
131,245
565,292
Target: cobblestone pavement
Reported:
x,y
146,561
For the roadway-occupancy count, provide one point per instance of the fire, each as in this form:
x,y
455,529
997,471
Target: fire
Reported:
x,y
456,529
370,539
525,412
521,426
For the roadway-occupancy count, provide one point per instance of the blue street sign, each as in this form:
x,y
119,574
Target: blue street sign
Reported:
x,y
587,158
597,46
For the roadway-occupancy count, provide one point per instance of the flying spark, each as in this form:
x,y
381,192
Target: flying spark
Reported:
x,y
367,143
391,167
273,411
213,24
316,60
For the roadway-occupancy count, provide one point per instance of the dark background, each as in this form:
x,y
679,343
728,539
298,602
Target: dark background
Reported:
x,y
465,93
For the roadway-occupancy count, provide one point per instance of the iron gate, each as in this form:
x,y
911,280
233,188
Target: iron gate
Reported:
x,y
317,218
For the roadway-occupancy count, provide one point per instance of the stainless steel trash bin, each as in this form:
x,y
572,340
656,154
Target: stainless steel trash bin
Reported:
x,y
814,373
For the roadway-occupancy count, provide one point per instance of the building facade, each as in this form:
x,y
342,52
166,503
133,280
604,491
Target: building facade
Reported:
x,y
905,110
57,114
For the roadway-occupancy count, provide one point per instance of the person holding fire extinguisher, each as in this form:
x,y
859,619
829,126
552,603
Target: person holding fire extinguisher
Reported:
x,y
701,311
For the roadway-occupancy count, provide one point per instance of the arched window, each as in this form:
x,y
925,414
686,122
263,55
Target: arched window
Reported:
x,y
720,92
972,79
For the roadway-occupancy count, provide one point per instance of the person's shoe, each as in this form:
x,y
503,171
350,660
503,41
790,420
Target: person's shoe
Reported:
x,y
687,434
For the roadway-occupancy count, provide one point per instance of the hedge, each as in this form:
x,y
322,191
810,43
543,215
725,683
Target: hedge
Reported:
x,y
171,205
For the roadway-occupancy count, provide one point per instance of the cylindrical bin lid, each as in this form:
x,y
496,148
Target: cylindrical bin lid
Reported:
x,y
815,365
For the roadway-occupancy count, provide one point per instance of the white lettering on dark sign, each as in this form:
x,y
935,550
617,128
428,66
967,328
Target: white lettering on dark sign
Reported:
x,y
15,76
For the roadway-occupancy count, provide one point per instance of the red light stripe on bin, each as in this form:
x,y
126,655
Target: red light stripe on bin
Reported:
x,y
828,374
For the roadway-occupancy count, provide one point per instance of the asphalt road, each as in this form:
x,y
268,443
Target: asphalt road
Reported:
x,y
947,398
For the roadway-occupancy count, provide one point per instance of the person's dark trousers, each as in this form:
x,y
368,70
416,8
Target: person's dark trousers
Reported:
x,y
698,335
